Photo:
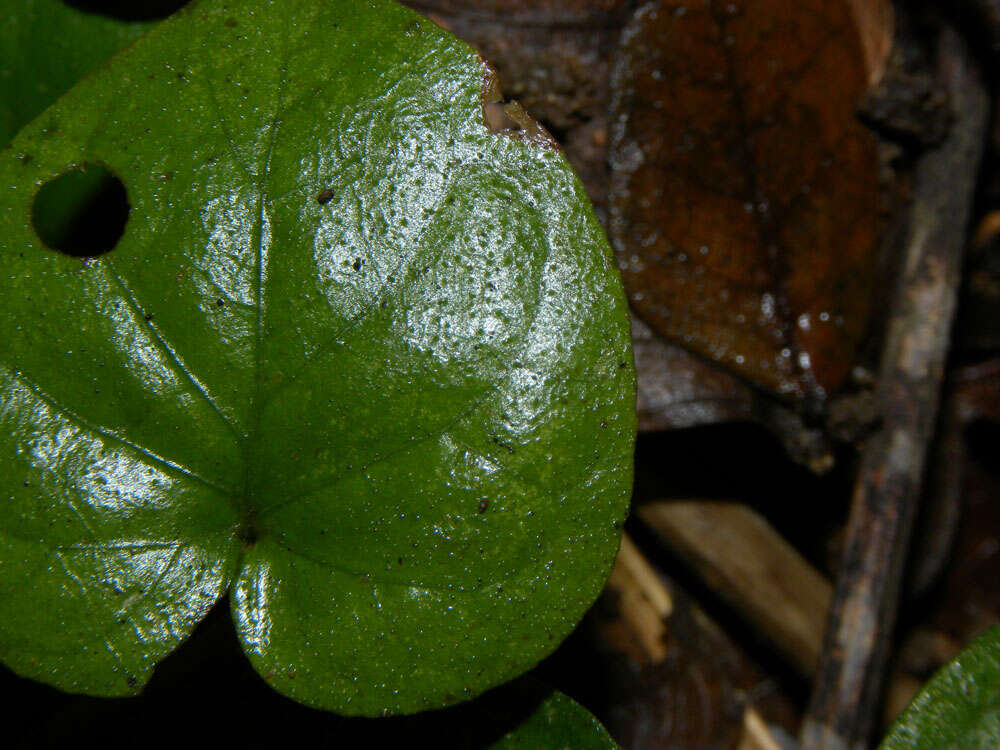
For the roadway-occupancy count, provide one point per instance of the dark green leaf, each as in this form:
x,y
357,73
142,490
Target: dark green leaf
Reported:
x,y
355,356
959,707
46,46
556,722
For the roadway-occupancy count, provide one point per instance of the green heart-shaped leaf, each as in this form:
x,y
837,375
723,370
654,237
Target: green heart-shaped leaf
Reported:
x,y
959,707
355,356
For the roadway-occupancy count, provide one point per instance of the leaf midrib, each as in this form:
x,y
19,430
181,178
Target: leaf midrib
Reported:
x,y
245,501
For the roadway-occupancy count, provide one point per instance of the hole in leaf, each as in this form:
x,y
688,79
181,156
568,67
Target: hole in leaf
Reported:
x,y
82,212
129,10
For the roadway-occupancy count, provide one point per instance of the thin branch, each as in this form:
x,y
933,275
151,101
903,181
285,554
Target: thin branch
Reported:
x,y
849,682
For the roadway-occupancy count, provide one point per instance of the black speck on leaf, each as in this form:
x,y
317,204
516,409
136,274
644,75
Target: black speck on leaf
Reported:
x,y
324,197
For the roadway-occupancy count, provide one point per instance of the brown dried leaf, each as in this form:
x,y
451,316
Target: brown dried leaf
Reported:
x,y
678,390
744,194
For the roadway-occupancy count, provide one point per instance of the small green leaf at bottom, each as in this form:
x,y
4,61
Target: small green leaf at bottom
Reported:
x,y
959,707
555,722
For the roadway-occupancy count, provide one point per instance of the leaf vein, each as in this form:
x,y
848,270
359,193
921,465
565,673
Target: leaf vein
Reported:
x,y
160,462
171,354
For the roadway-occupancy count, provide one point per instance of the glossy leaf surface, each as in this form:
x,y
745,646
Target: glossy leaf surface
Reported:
x,y
355,356
745,191
959,707
46,46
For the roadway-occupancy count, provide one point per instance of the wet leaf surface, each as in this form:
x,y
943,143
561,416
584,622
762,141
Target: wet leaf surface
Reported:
x,y
745,193
355,357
